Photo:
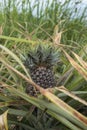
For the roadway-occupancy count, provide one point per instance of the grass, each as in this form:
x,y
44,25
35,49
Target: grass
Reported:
x,y
63,107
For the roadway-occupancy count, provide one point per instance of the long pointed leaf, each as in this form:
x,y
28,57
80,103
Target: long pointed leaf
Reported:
x,y
76,65
65,109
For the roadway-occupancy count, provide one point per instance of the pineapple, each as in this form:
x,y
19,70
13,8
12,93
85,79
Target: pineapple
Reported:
x,y
40,62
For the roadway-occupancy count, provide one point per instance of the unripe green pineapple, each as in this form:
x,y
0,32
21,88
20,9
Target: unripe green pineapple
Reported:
x,y
40,62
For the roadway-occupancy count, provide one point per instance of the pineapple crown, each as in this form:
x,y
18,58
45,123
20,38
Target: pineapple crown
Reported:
x,y
42,55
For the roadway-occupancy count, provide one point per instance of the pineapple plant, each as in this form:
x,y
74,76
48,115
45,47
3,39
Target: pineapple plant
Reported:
x,y
40,61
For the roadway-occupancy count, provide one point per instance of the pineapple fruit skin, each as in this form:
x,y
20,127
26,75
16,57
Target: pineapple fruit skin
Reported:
x,y
42,77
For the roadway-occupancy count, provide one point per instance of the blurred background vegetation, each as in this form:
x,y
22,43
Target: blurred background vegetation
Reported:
x,y
23,24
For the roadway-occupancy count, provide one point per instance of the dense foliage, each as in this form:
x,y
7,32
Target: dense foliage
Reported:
x,y
24,24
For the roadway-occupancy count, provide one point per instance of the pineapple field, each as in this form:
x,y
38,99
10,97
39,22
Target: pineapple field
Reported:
x,y
43,65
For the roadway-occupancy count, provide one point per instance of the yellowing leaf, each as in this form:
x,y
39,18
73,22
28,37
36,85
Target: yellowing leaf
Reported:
x,y
81,61
3,121
78,67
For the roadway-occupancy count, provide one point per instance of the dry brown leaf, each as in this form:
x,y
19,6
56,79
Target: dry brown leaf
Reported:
x,y
67,92
79,68
57,38
81,61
